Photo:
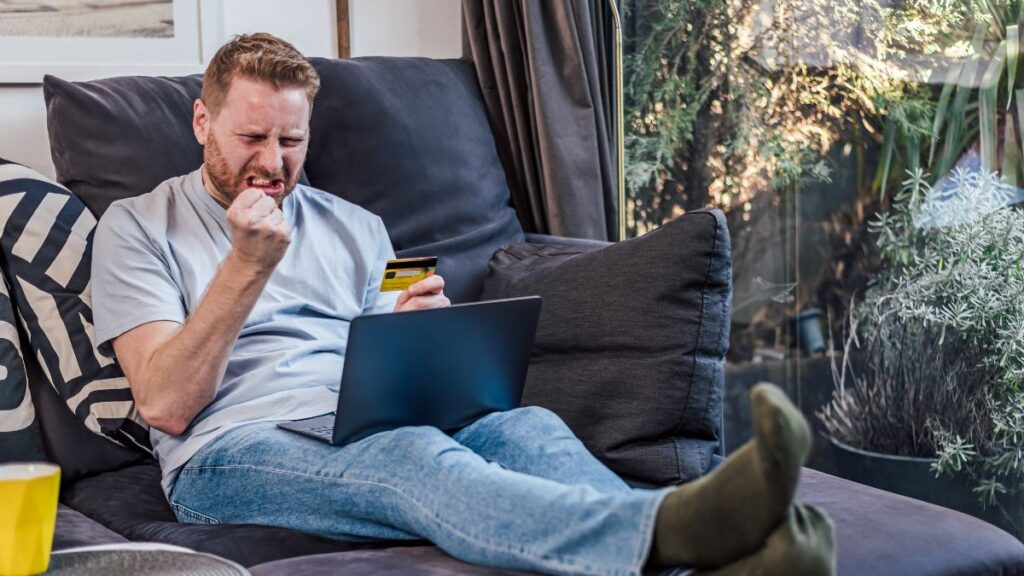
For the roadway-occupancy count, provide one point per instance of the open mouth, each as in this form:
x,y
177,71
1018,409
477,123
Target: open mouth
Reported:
x,y
269,186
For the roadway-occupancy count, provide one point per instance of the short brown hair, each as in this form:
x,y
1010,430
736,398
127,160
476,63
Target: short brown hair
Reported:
x,y
261,57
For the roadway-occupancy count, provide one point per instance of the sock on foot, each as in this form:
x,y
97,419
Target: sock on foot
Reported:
x,y
801,546
728,514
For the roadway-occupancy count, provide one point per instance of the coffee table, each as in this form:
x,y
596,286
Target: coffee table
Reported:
x,y
141,559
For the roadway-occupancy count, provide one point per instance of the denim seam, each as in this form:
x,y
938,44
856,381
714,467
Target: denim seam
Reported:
x,y
553,563
186,511
647,528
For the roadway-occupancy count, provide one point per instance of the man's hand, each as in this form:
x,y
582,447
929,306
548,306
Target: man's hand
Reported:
x,y
260,234
427,293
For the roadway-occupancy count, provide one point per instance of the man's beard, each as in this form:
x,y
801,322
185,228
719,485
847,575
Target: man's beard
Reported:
x,y
229,185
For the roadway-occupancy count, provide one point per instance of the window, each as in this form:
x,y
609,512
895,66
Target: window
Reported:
x,y
868,156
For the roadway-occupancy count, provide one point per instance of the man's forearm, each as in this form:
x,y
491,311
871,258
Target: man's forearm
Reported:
x,y
182,375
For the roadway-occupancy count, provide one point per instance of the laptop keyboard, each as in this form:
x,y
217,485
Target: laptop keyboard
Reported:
x,y
322,431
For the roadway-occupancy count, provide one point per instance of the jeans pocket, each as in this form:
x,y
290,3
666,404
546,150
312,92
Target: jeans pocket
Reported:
x,y
190,516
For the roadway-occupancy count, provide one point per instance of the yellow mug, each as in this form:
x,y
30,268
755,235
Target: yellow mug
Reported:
x,y
28,513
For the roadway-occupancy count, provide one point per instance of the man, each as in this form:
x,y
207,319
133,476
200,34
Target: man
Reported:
x,y
226,295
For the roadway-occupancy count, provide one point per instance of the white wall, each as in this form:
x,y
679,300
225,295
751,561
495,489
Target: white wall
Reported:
x,y
378,28
23,127
308,24
429,28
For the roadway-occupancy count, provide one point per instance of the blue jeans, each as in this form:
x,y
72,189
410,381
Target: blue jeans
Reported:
x,y
514,490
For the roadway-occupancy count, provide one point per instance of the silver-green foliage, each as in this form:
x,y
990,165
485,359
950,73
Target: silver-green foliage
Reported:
x,y
887,400
955,255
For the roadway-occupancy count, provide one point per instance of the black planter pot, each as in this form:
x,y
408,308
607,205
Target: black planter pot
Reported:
x,y
807,329
914,477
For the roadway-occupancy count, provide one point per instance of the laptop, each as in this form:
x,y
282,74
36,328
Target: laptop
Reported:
x,y
443,367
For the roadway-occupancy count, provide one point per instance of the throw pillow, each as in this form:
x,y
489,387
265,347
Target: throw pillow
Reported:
x,y
630,349
46,248
144,124
409,140
19,432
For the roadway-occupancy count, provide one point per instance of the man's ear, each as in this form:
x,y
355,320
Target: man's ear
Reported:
x,y
200,120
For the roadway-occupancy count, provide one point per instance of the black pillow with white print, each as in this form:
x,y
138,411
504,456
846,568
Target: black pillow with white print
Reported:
x,y
46,246
20,439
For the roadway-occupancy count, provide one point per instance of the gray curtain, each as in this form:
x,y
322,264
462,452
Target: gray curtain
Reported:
x,y
544,69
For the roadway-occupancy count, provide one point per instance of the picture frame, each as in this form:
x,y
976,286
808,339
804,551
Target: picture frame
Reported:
x,y
344,35
197,32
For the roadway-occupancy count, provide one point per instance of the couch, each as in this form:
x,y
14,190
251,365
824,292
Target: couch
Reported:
x,y
409,140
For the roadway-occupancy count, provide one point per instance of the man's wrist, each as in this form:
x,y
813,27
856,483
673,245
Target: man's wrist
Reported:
x,y
239,265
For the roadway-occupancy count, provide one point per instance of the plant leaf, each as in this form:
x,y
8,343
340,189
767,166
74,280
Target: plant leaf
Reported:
x,y
988,121
1019,97
1011,152
995,12
889,144
1012,53
952,145
913,153
941,109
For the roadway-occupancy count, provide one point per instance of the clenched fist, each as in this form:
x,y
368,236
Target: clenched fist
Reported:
x,y
259,232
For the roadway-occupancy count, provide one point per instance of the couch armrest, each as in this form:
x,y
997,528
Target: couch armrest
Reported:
x,y
564,241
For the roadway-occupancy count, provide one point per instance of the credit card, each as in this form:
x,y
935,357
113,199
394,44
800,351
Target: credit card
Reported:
x,y
404,272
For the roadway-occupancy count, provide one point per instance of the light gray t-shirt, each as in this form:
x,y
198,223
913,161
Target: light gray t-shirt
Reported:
x,y
154,256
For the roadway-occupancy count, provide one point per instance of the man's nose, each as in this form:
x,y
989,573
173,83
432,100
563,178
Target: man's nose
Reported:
x,y
271,156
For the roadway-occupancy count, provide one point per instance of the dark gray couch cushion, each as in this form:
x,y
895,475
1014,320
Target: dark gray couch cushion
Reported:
x,y
408,139
419,560
630,350
75,529
884,534
130,502
120,137
877,533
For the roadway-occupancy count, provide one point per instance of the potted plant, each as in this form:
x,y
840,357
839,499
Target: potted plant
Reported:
x,y
929,399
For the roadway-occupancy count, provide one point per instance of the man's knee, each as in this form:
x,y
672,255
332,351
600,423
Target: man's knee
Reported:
x,y
532,420
412,436
416,442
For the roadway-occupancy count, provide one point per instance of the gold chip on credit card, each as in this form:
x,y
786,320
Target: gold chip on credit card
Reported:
x,y
404,272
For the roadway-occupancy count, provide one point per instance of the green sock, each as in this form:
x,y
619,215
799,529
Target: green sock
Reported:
x,y
801,546
726,515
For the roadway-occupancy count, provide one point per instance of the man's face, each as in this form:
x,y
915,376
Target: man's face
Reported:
x,y
257,139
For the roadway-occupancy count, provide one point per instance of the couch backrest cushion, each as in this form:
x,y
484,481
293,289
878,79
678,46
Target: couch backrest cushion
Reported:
x,y
406,138
20,438
409,140
120,137
630,349
46,247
